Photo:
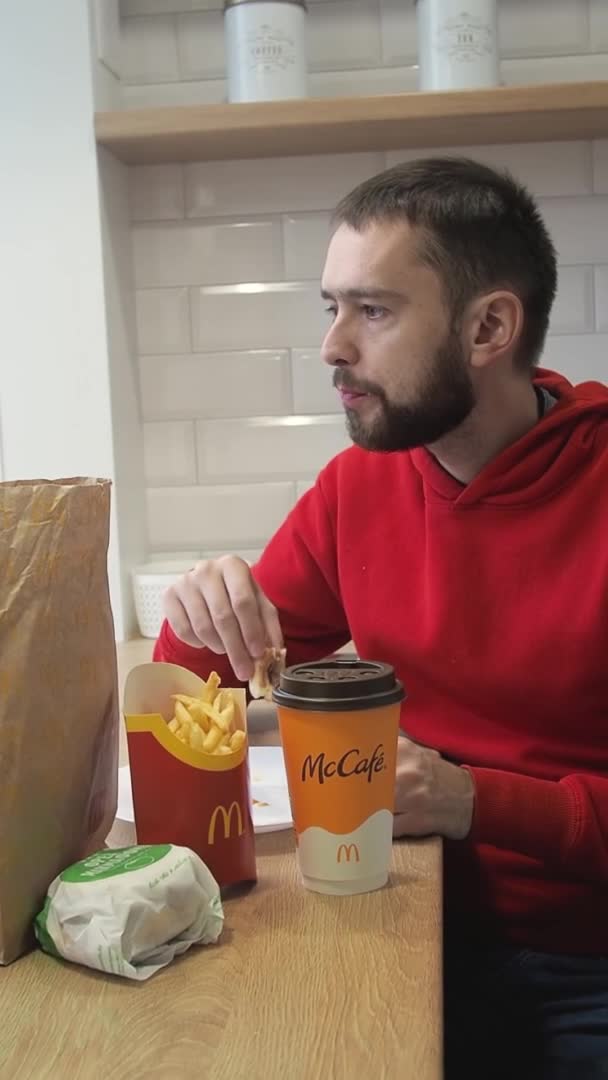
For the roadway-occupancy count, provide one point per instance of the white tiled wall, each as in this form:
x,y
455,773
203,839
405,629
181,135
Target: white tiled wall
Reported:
x,y
285,447
207,252
174,51
238,410
219,188
221,516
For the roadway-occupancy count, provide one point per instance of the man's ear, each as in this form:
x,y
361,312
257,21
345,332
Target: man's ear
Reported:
x,y
494,327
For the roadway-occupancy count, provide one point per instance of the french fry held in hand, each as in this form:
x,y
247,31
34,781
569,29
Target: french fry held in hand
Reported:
x,y
208,723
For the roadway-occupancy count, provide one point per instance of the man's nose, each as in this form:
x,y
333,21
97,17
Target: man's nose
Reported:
x,y
338,347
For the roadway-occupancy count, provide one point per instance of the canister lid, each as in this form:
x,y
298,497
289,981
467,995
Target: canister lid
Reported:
x,y
338,685
233,3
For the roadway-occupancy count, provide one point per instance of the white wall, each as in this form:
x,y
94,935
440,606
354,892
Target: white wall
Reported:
x,y
55,398
127,434
55,395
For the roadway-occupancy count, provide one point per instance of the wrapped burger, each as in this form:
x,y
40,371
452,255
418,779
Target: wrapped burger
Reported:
x,y
130,911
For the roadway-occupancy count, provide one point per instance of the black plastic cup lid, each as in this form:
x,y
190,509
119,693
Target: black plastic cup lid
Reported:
x,y
338,685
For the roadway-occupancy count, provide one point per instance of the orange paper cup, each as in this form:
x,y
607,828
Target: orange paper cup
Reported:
x,y
339,722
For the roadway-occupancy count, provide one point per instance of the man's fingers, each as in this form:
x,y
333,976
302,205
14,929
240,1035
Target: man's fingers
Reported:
x,y
218,604
244,599
270,619
227,627
193,602
178,620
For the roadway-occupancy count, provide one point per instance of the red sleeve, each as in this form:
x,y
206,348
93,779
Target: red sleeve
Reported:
x,y
564,823
298,573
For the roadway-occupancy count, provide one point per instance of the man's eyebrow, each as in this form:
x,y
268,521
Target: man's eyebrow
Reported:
x,y
362,294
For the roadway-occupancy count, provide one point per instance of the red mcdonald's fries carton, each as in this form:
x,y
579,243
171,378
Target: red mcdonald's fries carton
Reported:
x,y
189,773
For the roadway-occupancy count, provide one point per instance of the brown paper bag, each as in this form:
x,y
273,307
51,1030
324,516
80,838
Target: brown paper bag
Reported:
x,y
58,691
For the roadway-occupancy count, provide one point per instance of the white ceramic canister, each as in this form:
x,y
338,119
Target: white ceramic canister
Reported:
x,y
457,44
265,49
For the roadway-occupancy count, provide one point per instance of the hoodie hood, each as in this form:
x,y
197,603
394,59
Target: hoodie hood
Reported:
x,y
572,434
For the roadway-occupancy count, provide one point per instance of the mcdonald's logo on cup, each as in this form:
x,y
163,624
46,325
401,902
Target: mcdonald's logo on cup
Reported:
x,y
347,850
227,819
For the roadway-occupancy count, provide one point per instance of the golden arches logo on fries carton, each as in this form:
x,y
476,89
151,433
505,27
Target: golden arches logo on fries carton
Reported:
x,y
188,758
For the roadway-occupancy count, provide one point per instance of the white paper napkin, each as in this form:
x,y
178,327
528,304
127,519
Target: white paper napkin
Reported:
x,y
271,809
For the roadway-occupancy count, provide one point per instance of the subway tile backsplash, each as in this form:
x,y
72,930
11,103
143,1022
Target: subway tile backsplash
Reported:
x,y
281,447
378,80
598,25
257,316
305,239
216,384
601,299
312,386
579,228
398,30
531,28
334,45
200,45
169,453
274,185
579,357
600,166
239,410
156,193
573,308
163,320
206,252
230,323
178,41
551,168
149,50
217,516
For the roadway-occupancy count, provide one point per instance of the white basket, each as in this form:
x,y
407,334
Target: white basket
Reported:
x,y
149,584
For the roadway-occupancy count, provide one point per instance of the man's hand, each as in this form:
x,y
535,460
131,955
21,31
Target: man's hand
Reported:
x,y
431,795
218,604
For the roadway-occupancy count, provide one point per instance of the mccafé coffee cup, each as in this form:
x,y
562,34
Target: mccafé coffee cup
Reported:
x,y
339,722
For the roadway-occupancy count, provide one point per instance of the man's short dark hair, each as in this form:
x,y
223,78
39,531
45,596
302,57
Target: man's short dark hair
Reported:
x,y
480,230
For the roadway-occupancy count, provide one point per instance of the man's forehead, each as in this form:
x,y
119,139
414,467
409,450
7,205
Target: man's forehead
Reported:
x,y
382,258
377,235
379,244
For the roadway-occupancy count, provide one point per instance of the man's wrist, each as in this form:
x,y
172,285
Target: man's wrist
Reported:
x,y
459,805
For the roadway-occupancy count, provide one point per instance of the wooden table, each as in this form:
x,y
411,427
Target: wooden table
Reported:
x,y
301,987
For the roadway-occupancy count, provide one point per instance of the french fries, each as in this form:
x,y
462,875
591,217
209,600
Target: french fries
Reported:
x,y
208,722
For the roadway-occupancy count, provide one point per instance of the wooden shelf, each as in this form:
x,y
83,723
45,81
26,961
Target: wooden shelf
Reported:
x,y
340,125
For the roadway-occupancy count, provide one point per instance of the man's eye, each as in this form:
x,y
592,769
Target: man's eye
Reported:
x,y
332,310
372,311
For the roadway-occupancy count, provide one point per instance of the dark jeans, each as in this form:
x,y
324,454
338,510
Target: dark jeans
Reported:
x,y
516,1014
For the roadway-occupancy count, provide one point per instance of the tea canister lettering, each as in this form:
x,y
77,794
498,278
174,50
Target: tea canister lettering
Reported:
x,y
351,763
457,44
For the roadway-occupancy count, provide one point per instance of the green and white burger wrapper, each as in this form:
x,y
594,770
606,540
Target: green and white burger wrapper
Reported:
x,y
130,911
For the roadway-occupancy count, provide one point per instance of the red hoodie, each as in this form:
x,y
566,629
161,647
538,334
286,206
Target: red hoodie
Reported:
x,y
491,601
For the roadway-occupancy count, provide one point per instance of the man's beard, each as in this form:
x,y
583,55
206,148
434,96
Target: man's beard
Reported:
x,y
444,402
